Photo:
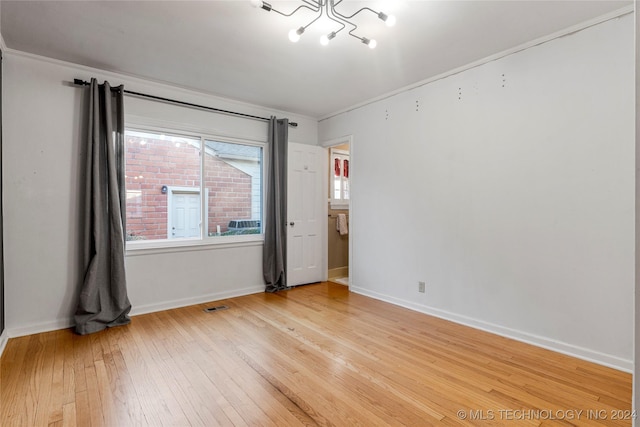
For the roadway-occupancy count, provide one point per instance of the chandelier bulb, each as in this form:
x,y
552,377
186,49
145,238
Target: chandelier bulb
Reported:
x,y
325,39
369,42
391,21
261,4
294,35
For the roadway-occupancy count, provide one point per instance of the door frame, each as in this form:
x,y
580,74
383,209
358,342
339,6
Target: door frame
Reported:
x,y
347,139
203,212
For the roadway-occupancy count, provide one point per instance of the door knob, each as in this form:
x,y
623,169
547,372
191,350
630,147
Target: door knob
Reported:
x,y
292,223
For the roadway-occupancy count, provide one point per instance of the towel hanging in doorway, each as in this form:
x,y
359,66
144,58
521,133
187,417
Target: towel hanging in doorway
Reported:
x,y
341,224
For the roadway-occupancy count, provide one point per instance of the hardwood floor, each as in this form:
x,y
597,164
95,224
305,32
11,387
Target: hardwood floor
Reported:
x,y
315,355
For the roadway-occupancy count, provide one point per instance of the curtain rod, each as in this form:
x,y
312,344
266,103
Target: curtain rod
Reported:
x,y
79,82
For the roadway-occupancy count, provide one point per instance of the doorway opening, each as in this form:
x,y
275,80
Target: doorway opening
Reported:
x,y
339,197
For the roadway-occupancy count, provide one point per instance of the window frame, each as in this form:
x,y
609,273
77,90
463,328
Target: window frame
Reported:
x,y
342,203
204,241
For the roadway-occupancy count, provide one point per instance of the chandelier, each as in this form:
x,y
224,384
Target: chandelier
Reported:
x,y
328,8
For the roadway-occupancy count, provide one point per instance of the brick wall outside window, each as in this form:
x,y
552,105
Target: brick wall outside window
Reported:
x,y
154,163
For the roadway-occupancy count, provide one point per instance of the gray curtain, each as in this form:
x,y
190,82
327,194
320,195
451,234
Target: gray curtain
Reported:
x,y
274,257
103,299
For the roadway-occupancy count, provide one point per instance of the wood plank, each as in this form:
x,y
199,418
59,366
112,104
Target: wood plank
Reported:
x,y
56,401
69,415
13,387
82,410
313,355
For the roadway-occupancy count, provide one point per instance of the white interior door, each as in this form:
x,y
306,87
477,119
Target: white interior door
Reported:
x,y
304,211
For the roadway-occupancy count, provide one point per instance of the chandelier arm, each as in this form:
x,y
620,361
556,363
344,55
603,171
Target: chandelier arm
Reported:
x,y
317,17
339,22
351,16
297,9
331,15
315,4
342,20
353,35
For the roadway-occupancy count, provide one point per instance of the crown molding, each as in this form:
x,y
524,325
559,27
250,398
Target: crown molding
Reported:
x,y
528,45
134,80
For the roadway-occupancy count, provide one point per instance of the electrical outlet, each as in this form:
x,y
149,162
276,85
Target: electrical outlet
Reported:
x,y
421,286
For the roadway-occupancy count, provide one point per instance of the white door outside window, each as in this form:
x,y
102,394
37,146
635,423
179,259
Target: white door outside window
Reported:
x,y
304,210
184,214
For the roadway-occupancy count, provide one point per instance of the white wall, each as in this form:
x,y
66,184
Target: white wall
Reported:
x,y
513,198
42,142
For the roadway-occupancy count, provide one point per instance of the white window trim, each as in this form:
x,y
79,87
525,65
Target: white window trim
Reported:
x,y
205,242
150,247
337,204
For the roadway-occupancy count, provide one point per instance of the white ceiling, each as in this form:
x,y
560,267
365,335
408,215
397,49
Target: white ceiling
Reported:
x,y
231,49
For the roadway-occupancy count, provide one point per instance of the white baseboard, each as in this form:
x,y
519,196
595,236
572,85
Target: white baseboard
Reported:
x,y
4,338
55,325
38,328
168,305
539,341
339,272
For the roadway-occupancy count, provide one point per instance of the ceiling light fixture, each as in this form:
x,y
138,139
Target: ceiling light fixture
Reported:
x,y
328,9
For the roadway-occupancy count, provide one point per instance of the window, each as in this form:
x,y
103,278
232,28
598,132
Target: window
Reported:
x,y
174,181
339,179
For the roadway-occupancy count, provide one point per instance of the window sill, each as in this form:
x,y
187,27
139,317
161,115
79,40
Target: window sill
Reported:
x,y
137,248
